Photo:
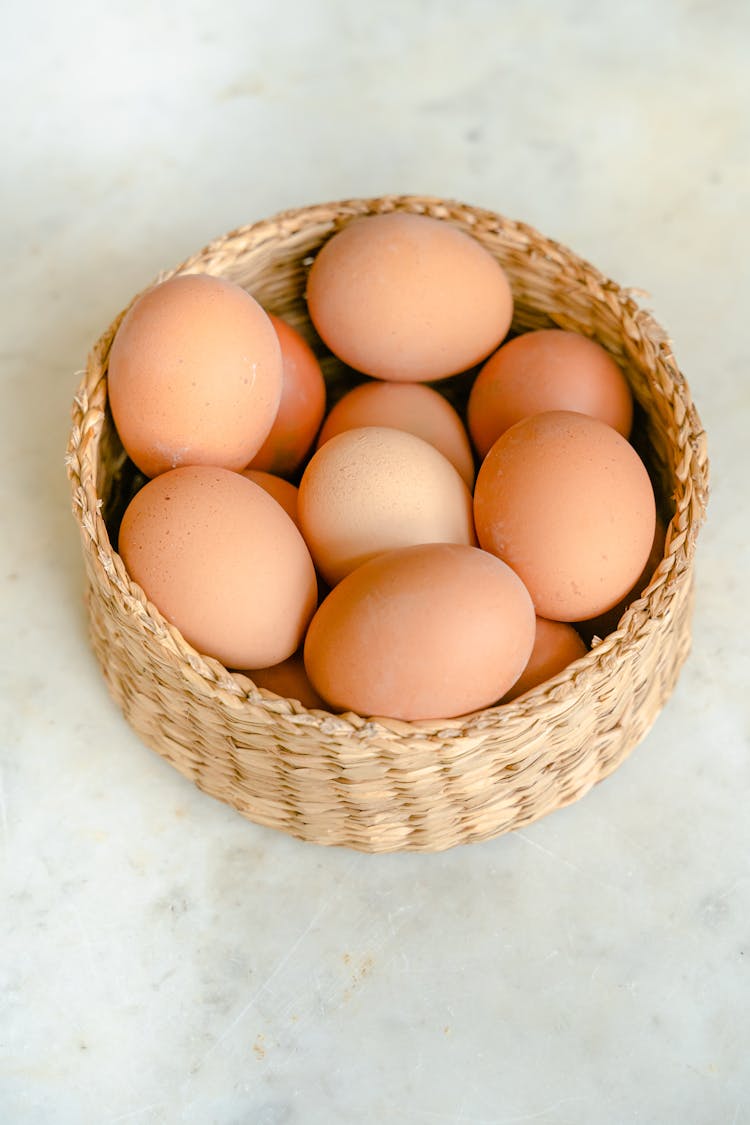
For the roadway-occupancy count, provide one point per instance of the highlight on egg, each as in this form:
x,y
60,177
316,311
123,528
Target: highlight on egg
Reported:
x,y
408,298
374,489
431,631
195,375
549,369
301,408
566,501
414,407
223,562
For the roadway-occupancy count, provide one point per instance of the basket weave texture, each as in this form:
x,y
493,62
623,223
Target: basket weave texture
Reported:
x,y
378,784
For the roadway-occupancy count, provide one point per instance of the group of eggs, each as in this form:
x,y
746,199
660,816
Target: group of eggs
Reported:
x,y
380,584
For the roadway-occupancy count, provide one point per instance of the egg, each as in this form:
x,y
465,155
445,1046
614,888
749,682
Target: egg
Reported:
x,y
607,622
567,503
194,375
408,298
556,645
412,407
547,370
373,489
283,491
302,405
425,632
289,680
223,562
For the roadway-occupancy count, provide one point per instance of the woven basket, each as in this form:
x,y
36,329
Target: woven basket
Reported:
x,y
381,785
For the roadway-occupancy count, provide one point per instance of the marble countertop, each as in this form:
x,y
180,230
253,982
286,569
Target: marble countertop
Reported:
x,y
163,960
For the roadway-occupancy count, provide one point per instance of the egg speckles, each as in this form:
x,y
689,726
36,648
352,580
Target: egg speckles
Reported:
x,y
373,489
413,407
547,370
566,501
431,631
408,298
223,562
195,375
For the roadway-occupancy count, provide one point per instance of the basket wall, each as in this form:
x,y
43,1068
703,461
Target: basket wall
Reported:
x,y
383,785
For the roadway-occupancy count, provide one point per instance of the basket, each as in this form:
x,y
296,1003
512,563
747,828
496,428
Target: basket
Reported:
x,y
375,784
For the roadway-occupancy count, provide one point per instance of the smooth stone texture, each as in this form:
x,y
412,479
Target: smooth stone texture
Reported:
x,y
161,959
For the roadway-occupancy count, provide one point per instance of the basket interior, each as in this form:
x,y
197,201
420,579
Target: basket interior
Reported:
x,y
275,273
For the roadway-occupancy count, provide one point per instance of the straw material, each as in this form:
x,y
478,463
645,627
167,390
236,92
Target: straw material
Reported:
x,y
382,785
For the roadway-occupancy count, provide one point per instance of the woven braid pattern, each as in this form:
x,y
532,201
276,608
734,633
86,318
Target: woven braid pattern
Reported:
x,y
380,785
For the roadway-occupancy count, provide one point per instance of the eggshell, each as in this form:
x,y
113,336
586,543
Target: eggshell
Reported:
x,y
556,645
283,491
408,298
405,406
373,489
289,680
194,375
566,501
607,622
223,562
424,632
302,406
547,370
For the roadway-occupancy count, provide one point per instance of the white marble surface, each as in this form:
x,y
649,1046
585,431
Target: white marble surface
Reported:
x,y
163,960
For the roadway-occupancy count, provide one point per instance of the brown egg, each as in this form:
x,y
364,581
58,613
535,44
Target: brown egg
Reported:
x,y
282,491
547,370
408,298
607,622
289,679
302,406
373,489
194,375
556,645
567,502
425,632
223,562
405,406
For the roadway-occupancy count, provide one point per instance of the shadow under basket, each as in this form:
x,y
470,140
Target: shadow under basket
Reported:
x,y
377,784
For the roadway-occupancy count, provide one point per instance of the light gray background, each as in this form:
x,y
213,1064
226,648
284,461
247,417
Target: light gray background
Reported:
x,y
163,960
